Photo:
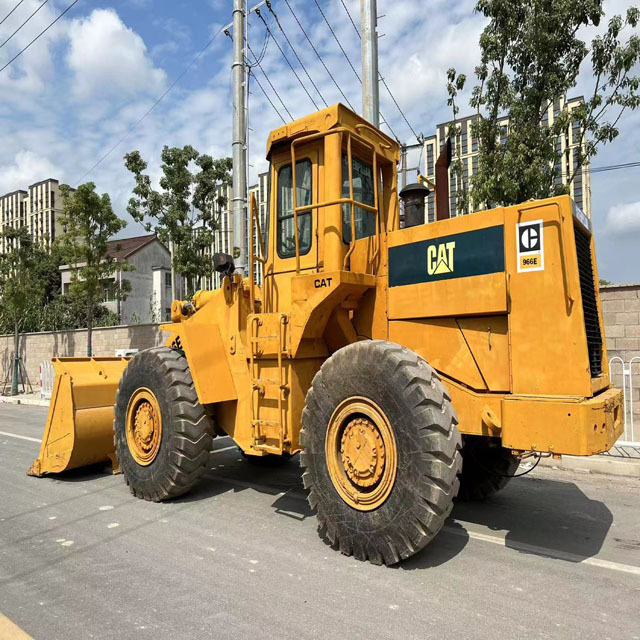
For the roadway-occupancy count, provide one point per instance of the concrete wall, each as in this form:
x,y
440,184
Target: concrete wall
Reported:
x,y
139,304
36,347
621,312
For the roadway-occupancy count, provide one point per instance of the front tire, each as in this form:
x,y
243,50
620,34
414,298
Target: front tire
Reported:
x,y
162,434
381,451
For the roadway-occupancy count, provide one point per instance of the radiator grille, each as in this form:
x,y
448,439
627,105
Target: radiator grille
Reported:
x,y
589,301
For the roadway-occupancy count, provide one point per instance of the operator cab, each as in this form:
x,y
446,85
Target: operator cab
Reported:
x,y
344,173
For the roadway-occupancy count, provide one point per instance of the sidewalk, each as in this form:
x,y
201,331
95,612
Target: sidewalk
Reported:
x,y
25,398
620,461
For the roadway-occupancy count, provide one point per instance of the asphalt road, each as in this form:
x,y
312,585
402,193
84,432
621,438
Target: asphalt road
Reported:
x,y
552,556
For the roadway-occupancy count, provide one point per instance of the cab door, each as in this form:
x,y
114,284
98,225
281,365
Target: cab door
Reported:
x,y
306,194
281,265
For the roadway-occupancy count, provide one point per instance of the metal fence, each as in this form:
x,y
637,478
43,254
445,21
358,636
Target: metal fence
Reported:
x,y
626,376
47,375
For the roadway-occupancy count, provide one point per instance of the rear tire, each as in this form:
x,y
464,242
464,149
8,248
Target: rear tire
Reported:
x,y
418,438
487,468
180,456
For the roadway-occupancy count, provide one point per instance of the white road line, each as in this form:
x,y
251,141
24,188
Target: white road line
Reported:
x,y
233,446
542,551
15,435
474,535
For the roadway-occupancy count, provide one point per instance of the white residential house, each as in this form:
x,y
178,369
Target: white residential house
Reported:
x,y
150,297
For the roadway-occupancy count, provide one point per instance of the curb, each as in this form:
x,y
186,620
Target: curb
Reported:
x,y
34,402
607,465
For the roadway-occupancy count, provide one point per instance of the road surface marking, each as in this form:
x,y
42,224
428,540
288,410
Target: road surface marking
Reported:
x,y
233,446
15,435
474,535
542,551
11,631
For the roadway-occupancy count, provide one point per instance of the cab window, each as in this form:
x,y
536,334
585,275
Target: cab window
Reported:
x,y
365,221
286,237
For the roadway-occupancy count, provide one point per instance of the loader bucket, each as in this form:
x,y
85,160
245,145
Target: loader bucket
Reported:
x,y
79,428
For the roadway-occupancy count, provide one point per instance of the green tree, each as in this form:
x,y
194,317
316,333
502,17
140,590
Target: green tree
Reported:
x,y
183,212
455,84
530,57
89,222
21,288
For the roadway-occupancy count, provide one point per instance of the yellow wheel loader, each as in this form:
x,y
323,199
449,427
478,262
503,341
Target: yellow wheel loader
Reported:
x,y
408,363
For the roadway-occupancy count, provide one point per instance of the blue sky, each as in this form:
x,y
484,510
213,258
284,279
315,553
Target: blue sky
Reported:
x,y
82,86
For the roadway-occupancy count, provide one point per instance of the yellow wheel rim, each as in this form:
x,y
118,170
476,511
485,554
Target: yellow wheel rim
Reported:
x,y
144,426
361,452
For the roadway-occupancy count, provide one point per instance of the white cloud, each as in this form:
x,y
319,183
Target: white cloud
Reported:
x,y
624,219
108,57
30,72
26,168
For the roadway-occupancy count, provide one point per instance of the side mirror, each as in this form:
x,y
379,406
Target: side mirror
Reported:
x,y
223,263
412,197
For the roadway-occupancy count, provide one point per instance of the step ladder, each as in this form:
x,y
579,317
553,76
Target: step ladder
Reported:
x,y
268,346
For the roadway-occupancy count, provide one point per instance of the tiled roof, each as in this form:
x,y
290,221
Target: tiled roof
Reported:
x,y
122,249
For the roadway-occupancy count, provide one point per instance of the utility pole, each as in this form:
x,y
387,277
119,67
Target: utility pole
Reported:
x,y
239,143
403,156
369,31
174,293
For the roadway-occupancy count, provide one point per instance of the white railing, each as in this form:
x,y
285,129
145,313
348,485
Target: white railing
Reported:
x,y
47,375
628,388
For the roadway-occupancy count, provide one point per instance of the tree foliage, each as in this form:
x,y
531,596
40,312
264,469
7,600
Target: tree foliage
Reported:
x,y
455,84
531,54
21,288
89,222
184,211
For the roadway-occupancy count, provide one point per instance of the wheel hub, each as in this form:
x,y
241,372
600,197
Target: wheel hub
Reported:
x,y
362,452
144,426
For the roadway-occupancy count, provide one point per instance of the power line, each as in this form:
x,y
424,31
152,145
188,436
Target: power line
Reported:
x,y
384,82
267,96
417,137
38,36
284,106
615,167
344,53
263,50
295,53
335,37
12,10
350,18
25,22
319,56
287,59
603,169
137,123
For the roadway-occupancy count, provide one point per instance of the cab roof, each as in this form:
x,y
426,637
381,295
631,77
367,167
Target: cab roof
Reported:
x,y
336,115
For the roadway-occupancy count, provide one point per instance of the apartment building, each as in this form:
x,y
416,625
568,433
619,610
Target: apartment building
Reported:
x,y
38,209
567,146
13,208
